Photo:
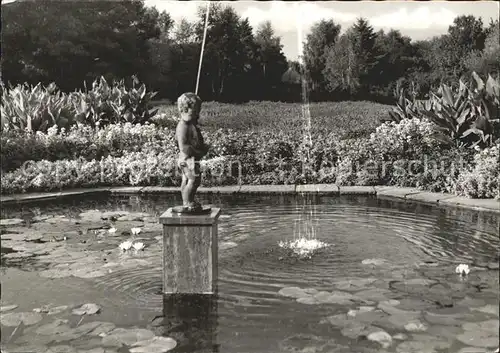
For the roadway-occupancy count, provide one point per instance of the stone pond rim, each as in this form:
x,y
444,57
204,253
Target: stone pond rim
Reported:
x,y
412,195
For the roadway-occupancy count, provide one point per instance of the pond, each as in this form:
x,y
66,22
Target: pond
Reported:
x,y
384,281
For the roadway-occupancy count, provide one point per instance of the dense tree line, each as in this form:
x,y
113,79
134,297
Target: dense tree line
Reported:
x,y
71,43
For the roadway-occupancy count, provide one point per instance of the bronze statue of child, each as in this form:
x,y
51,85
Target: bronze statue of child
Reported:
x,y
192,149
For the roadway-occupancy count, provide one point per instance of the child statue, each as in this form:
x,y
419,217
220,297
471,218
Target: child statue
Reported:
x,y
192,149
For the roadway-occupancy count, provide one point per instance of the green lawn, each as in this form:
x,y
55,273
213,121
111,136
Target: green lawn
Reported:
x,y
346,118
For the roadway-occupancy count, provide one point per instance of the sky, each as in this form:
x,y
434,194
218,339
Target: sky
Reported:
x,y
292,20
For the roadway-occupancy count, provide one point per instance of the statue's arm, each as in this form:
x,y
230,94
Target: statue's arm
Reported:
x,y
184,145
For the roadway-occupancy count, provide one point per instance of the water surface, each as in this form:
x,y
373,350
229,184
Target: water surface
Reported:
x,y
379,251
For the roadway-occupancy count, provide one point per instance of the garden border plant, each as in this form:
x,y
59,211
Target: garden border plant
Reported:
x,y
120,153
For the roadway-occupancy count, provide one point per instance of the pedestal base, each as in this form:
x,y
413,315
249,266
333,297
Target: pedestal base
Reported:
x,y
190,251
194,212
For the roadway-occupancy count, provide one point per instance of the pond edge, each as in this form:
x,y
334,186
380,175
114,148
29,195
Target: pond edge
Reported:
x,y
412,195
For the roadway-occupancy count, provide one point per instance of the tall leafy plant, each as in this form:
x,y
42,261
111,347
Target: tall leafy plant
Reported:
x,y
113,103
34,108
466,116
407,106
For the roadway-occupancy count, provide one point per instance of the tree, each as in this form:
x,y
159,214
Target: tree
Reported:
x,y
488,60
70,42
323,36
270,60
398,60
465,36
226,49
184,32
351,64
342,70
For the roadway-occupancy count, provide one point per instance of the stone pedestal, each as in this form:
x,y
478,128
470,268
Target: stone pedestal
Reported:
x,y
190,251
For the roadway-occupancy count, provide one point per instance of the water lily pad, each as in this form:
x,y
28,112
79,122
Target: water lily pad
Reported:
x,y
400,337
293,292
99,328
11,236
97,350
336,297
131,217
371,317
362,309
390,309
374,294
24,348
18,255
310,344
354,329
5,308
374,262
154,345
480,334
427,344
121,336
87,309
94,328
14,319
11,222
474,350
415,326
61,349
445,332
445,319
488,309
309,300
337,320
471,302
54,328
382,337
354,284
50,309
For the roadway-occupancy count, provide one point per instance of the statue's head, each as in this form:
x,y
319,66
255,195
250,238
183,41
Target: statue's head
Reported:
x,y
189,105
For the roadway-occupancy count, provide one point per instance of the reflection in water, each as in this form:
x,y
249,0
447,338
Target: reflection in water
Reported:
x,y
192,320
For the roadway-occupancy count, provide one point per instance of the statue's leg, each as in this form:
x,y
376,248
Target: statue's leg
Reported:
x,y
185,192
196,181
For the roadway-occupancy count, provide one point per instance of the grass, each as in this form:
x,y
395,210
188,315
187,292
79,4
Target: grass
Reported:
x,y
347,118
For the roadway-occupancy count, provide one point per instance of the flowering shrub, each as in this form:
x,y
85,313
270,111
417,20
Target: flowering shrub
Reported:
x,y
401,154
82,141
483,179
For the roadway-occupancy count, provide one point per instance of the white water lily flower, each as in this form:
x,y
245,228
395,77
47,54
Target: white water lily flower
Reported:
x,y
462,269
126,245
138,246
112,230
135,231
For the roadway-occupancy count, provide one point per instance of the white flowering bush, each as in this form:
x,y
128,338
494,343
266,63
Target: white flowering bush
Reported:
x,y
482,180
82,141
133,169
401,154
404,139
